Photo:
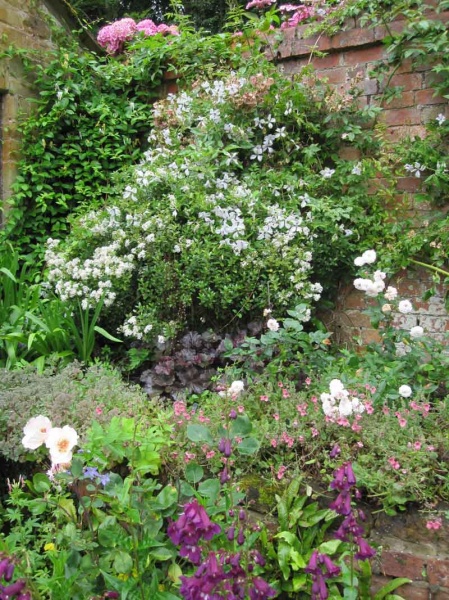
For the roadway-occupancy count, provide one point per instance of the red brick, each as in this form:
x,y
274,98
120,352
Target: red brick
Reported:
x,y
400,564
401,116
353,38
418,590
355,300
349,153
441,594
408,184
404,100
369,336
438,572
327,62
428,96
398,133
337,75
305,47
409,81
364,55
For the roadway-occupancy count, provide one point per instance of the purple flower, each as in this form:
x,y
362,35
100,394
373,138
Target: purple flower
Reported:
x,y
91,472
342,503
192,525
335,451
349,473
224,446
224,476
260,590
312,567
349,529
365,550
13,589
332,570
319,588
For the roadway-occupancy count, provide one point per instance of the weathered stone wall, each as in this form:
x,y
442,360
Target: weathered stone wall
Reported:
x,y
351,55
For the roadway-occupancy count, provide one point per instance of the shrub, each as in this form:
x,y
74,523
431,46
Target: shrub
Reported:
x,y
236,206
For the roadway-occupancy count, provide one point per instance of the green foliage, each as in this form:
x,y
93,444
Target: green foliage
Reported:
x,y
286,350
90,120
74,395
302,526
96,531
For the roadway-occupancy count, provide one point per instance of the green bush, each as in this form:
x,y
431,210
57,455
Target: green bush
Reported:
x,y
236,206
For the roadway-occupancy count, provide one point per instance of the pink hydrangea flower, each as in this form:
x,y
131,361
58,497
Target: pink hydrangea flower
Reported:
x,y
148,26
259,4
112,37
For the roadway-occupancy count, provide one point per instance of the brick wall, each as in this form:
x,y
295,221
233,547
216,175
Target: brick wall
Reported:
x,y
411,550
351,55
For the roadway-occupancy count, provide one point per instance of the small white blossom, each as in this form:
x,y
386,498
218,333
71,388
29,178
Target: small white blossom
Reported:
x,y
327,173
60,442
440,119
391,293
416,332
272,325
405,391
405,307
36,432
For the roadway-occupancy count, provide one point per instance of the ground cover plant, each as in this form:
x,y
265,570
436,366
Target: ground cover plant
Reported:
x,y
237,213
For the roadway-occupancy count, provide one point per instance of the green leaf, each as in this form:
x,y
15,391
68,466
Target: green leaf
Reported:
x,y
199,433
107,335
41,483
194,472
123,563
390,587
330,547
209,489
161,554
248,446
167,497
241,426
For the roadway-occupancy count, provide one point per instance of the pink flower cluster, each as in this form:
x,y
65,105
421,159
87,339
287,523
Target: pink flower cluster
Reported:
x,y
300,13
259,4
113,37
436,524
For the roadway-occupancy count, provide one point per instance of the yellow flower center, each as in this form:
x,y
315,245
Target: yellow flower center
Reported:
x,y
63,445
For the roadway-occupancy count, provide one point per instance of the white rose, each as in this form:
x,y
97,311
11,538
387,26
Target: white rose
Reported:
x,y
336,387
272,325
60,442
236,387
391,293
345,407
405,307
405,391
359,262
369,256
416,332
36,432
